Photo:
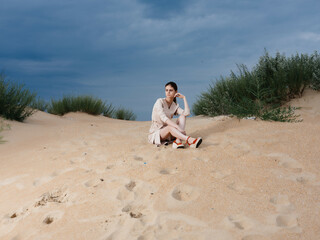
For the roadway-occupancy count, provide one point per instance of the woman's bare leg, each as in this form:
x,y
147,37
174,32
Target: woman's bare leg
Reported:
x,y
181,121
168,130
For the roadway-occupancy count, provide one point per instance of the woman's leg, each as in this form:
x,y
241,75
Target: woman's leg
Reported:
x,y
168,130
181,121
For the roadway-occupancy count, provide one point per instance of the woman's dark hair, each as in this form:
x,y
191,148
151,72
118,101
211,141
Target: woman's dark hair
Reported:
x,y
175,87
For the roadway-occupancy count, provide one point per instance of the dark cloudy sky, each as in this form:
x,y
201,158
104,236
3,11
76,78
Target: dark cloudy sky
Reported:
x,y
124,51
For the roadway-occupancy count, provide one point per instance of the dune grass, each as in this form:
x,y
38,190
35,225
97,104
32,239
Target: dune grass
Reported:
x,y
90,105
262,91
18,103
14,100
124,114
87,104
39,104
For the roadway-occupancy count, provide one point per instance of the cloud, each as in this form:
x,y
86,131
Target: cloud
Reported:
x,y
106,47
310,36
164,9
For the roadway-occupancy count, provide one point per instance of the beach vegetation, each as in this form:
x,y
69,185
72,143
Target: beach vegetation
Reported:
x,y
87,104
109,110
90,105
18,103
263,91
39,104
15,100
124,114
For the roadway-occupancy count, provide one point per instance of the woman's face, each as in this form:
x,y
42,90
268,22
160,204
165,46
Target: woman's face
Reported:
x,y
170,92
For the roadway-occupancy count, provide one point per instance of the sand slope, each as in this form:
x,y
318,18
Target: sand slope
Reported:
x,y
85,177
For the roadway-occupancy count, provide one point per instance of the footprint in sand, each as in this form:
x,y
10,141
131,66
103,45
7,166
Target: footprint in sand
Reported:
x,y
130,186
286,161
126,192
60,172
45,179
125,195
221,174
42,180
287,221
21,212
8,222
255,237
184,193
239,187
134,212
286,218
305,178
93,182
109,167
11,180
166,171
56,196
177,223
17,237
239,148
137,158
240,222
282,204
51,217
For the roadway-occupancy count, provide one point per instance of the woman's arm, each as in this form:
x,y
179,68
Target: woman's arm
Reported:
x,y
186,106
171,123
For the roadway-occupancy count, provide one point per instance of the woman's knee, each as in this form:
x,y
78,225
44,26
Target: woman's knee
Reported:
x,y
182,118
170,128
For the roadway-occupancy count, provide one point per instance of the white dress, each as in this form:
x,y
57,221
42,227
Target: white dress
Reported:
x,y
161,112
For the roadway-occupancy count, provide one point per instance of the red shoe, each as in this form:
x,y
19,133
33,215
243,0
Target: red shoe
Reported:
x,y
176,145
196,143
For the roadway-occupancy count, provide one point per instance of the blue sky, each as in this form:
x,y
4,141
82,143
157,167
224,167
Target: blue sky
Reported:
x,y
124,51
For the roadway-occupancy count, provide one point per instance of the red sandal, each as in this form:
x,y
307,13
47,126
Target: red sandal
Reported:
x,y
176,145
196,143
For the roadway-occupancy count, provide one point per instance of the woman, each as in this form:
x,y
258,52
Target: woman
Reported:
x,y
163,127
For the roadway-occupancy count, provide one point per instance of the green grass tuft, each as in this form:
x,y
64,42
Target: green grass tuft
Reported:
x,y
39,104
14,100
87,104
124,114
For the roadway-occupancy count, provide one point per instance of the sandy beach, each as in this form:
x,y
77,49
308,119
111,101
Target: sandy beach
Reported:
x,y
90,177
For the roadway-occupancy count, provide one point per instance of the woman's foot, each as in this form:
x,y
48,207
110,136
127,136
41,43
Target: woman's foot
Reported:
x,y
177,144
194,142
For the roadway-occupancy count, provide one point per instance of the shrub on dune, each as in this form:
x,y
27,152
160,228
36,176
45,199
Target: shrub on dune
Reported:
x,y
15,100
315,81
262,91
87,104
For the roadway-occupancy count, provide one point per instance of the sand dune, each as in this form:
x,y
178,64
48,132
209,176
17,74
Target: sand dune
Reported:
x,y
85,177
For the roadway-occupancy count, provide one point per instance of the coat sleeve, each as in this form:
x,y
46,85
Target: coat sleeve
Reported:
x,y
180,111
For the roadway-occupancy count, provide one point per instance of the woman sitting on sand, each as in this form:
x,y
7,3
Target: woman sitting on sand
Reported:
x,y
163,128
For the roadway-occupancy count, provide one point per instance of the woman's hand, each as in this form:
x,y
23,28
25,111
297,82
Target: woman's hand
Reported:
x,y
179,95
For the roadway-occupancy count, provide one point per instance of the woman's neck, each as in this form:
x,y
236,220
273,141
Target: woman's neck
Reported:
x,y
169,100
